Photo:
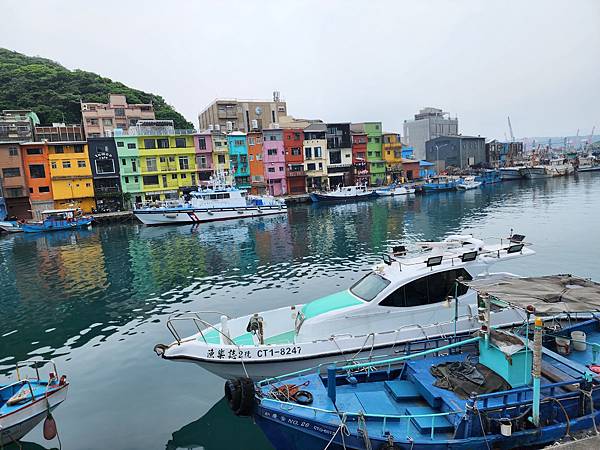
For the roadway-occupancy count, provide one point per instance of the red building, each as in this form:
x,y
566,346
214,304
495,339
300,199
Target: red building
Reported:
x,y
294,161
359,158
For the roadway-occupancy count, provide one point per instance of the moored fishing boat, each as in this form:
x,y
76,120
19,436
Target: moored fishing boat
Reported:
x,y
512,173
468,183
58,219
409,297
27,401
344,194
556,167
587,163
495,390
10,227
218,201
441,183
489,176
394,189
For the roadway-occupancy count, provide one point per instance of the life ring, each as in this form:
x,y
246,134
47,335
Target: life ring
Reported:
x,y
303,398
240,393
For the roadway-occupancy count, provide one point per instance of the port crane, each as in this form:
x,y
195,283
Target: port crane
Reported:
x,y
512,135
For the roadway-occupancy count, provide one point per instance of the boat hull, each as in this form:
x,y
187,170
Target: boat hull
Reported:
x,y
394,192
17,424
333,198
589,169
41,228
193,215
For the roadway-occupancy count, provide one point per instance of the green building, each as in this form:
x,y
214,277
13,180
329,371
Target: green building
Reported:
x,y
375,161
129,167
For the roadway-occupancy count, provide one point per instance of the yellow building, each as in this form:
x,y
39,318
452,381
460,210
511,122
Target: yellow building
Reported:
x,y
392,155
71,175
167,161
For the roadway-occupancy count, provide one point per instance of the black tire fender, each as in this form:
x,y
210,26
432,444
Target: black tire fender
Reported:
x,y
233,393
247,397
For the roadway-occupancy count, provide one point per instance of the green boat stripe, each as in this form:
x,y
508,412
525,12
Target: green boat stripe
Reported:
x,y
323,305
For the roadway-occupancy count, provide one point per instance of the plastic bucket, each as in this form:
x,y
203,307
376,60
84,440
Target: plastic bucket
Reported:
x,y
563,345
578,339
505,427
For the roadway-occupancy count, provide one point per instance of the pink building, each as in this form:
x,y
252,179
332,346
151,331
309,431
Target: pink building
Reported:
x,y
204,160
101,119
274,161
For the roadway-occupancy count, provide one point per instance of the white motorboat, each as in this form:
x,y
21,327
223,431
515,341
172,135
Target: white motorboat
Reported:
x,y
217,202
468,183
29,400
344,194
587,164
407,298
395,189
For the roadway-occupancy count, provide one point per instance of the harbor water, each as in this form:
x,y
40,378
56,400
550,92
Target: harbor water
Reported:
x,y
97,301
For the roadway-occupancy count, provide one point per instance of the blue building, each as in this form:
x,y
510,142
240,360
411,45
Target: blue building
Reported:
x,y
238,154
427,169
503,154
408,152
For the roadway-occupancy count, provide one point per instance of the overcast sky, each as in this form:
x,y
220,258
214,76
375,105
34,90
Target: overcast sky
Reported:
x,y
537,61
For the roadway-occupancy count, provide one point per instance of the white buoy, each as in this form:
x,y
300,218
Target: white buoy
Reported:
x,y
225,328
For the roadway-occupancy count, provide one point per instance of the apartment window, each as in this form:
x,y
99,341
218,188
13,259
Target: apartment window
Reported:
x,y
105,166
44,189
272,152
163,159
88,184
335,157
281,168
271,169
131,146
66,164
320,166
171,159
14,192
202,143
107,122
272,137
120,144
80,163
218,144
31,190
11,172
133,121
173,176
54,165
93,121
162,143
13,151
296,168
318,153
221,159
164,180
311,166
119,112
135,179
251,141
259,157
184,163
296,151
59,149
126,179
78,148
123,162
377,140
180,142
37,171
34,151
149,143
193,179
251,157
308,152
150,179
183,176
151,165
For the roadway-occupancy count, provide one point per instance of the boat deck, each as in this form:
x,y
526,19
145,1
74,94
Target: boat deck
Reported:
x,y
39,390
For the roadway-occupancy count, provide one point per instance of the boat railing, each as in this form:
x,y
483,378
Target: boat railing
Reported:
x,y
201,324
24,382
36,363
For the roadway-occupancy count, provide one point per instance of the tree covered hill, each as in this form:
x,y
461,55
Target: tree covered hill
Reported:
x,y
54,92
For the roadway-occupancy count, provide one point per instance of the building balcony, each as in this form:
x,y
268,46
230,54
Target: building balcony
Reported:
x,y
107,189
205,168
221,149
295,173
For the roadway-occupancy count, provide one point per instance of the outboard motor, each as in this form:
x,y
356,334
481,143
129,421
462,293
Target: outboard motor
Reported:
x,y
240,395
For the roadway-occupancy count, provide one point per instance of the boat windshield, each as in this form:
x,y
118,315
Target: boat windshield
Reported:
x,y
369,286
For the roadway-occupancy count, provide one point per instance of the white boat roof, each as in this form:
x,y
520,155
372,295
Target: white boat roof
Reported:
x,y
56,211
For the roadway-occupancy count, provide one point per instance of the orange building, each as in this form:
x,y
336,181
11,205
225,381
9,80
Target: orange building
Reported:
x,y
257,168
37,176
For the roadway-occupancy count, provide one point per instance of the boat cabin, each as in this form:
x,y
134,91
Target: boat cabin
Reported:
x,y
61,214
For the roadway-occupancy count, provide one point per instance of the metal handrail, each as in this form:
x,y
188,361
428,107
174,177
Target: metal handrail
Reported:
x,y
196,319
31,361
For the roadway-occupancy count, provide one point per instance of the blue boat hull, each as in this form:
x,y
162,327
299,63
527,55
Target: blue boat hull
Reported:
x,y
330,199
439,187
57,226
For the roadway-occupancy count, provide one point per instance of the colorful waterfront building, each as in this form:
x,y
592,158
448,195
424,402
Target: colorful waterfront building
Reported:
x,y
204,157
13,187
257,166
274,161
36,169
392,155
221,159
339,154
129,168
426,169
167,159
104,161
359,157
71,175
375,160
315,156
293,141
238,154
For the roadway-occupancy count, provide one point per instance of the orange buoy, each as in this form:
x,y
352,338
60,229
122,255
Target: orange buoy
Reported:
x,y
49,428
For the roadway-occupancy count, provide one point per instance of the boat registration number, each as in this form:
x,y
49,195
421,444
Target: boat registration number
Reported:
x,y
220,353
263,353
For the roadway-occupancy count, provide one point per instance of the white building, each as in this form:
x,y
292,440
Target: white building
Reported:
x,y
428,124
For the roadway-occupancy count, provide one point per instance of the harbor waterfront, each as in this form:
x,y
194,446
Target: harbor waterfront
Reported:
x,y
97,300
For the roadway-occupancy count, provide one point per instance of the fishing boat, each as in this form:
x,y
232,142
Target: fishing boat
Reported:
x,y
217,201
468,183
29,400
441,183
494,390
512,173
412,295
10,227
394,189
344,194
489,176
556,167
58,219
587,163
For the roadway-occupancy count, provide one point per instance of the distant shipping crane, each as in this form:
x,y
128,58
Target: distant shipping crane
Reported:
x,y
591,138
512,135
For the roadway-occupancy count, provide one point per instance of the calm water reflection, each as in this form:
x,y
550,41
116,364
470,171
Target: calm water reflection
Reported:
x,y
96,301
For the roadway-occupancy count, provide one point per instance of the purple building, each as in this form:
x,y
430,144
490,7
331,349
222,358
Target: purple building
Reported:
x,y
274,161
204,160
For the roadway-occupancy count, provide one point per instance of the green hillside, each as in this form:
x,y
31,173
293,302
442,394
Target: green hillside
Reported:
x,y
54,92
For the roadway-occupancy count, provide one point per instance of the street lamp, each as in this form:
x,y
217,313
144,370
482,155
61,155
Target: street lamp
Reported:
x,y
437,158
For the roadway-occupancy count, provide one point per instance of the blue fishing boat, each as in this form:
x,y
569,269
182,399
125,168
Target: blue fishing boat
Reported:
x,y
495,390
441,183
489,176
58,219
